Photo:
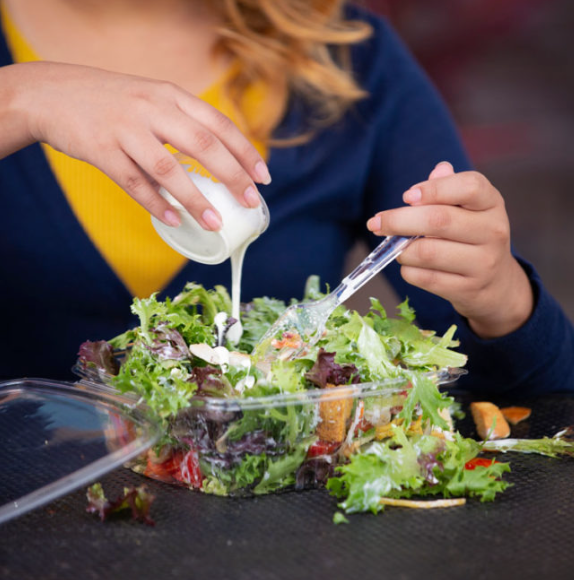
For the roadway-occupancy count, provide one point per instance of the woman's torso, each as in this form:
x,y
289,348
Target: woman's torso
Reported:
x,y
63,291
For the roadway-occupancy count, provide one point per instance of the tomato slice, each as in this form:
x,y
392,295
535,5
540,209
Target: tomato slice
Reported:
x,y
479,462
158,471
182,466
322,448
187,468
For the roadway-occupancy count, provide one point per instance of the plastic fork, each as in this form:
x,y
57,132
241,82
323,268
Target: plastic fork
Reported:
x,y
309,319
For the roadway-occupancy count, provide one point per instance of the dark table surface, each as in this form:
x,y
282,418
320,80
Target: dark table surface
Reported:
x,y
528,532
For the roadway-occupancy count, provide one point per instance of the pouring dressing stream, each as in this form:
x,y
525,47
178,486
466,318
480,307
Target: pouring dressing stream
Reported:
x,y
241,226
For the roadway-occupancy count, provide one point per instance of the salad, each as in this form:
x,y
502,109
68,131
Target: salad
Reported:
x,y
360,412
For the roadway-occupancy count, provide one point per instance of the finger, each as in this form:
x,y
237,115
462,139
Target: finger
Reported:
x,y
194,139
443,284
229,134
446,256
121,169
439,221
163,168
469,189
442,169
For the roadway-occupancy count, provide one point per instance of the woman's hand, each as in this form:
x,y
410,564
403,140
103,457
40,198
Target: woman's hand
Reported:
x,y
120,123
465,255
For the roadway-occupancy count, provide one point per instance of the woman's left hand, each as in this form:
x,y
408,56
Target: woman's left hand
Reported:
x,y
464,255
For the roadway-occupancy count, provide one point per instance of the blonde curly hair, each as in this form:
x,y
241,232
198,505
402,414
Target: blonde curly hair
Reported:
x,y
296,47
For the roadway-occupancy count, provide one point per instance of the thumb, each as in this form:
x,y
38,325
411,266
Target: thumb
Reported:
x,y
442,169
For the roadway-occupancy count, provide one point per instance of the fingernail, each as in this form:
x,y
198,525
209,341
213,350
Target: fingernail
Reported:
x,y
442,169
374,224
412,195
262,173
251,197
211,220
171,218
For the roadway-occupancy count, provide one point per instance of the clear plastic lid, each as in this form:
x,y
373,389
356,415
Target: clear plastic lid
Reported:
x,y
57,437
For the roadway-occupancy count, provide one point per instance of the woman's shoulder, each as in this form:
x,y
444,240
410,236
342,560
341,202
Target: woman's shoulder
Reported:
x,y
379,22
383,57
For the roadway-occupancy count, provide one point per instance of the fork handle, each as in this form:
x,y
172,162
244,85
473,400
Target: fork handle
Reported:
x,y
380,257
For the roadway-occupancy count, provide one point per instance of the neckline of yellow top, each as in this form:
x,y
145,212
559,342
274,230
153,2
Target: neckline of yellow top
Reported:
x,y
120,229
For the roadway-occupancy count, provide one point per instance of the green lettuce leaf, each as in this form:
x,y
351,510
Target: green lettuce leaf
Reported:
x,y
425,394
421,465
561,444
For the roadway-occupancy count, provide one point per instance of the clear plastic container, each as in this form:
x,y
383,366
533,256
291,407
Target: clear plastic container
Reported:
x,y
57,437
252,446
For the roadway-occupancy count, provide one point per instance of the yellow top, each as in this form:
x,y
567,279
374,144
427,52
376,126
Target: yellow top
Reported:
x,y
119,227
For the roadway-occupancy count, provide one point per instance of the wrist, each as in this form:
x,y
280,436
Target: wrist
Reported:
x,y
34,80
15,130
513,307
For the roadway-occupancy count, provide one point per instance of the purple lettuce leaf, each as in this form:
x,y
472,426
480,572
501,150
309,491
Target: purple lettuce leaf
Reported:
x,y
326,371
99,354
168,344
208,379
428,462
314,472
136,499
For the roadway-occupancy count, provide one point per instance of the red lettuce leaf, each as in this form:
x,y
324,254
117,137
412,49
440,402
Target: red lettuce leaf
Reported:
x,y
99,354
136,499
326,371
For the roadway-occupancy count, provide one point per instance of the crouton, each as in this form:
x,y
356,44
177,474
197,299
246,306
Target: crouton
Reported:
x,y
489,421
516,414
386,431
334,413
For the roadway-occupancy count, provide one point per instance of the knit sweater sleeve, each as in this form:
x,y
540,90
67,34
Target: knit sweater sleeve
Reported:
x,y
535,359
414,131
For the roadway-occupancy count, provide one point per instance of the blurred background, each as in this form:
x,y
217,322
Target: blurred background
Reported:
x,y
504,68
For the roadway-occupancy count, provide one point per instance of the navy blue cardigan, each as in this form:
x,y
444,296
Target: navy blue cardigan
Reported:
x,y
56,290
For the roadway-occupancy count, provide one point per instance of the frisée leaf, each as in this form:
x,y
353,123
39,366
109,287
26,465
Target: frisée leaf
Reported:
x,y
179,365
561,444
136,499
422,465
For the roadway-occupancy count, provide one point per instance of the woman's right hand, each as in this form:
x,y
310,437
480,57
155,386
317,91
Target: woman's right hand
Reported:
x,y
120,123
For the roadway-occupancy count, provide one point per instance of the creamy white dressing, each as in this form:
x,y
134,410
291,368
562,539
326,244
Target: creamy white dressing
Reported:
x,y
355,422
239,359
220,321
245,383
241,226
216,356
224,358
235,332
